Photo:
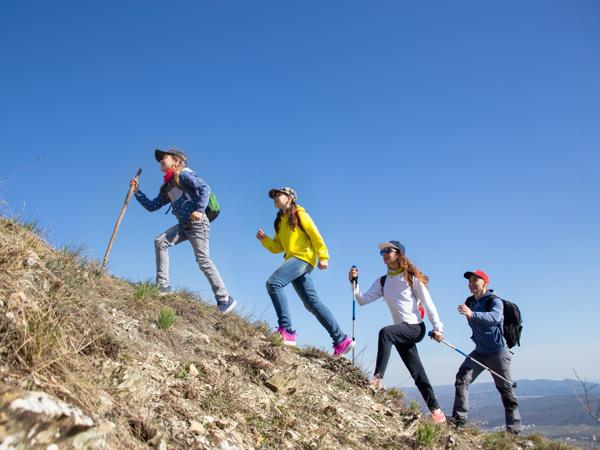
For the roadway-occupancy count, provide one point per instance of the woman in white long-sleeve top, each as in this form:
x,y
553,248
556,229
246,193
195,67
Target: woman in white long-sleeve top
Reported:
x,y
404,289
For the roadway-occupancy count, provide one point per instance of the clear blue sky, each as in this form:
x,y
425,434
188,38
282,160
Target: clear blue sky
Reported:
x,y
467,130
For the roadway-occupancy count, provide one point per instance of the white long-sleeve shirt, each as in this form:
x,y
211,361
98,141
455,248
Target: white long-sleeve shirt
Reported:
x,y
402,300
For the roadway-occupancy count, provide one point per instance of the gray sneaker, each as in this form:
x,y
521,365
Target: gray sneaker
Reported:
x,y
164,290
227,306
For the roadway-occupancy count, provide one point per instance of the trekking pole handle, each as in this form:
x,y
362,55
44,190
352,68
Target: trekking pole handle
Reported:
x,y
354,279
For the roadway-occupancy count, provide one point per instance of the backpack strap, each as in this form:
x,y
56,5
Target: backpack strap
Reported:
x,y
382,281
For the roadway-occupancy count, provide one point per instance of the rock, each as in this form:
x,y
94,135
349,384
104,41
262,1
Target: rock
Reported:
x,y
208,420
196,428
329,411
32,259
193,371
51,408
234,370
450,441
378,407
36,417
95,438
282,383
204,339
137,386
291,434
225,424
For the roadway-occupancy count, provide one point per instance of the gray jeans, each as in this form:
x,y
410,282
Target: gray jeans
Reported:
x,y
469,371
197,233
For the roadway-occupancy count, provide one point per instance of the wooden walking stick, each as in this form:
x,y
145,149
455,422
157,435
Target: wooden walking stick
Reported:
x,y
112,238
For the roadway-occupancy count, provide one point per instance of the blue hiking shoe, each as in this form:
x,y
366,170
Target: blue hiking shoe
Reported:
x,y
227,306
164,290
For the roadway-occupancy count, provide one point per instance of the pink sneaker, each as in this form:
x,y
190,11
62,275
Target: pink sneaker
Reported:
x,y
343,347
438,416
287,337
377,384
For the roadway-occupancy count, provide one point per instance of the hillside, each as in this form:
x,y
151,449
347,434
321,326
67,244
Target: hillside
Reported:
x,y
547,406
90,362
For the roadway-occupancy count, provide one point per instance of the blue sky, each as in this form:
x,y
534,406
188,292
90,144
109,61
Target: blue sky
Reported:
x,y
467,130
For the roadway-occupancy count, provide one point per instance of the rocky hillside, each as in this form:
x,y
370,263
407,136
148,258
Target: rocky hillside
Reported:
x,y
90,362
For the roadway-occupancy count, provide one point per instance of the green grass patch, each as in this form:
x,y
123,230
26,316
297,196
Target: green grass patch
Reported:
x,y
427,434
166,318
144,290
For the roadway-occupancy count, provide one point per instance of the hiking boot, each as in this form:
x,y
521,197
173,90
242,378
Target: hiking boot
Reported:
x,y
437,416
164,290
227,306
343,347
287,337
456,421
515,431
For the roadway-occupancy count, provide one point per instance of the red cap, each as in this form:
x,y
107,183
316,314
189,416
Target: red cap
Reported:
x,y
478,273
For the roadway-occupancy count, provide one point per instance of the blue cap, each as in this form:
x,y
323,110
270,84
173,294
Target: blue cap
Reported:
x,y
393,244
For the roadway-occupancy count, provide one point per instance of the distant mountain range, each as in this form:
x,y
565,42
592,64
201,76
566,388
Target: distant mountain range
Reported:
x,y
548,407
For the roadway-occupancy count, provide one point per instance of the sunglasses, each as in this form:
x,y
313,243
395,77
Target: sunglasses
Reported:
x,y
387,251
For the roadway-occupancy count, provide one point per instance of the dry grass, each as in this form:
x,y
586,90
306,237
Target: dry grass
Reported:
x,y
41,290
61,324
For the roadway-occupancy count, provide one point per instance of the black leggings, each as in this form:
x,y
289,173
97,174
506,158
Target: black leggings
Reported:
x,y
405,336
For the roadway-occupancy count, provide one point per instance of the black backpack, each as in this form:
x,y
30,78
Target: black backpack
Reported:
x,y
513,321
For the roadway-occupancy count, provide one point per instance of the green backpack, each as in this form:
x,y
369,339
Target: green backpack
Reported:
x,y
213,209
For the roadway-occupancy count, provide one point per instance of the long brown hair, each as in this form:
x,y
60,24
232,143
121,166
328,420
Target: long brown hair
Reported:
x,y
292,217
411,271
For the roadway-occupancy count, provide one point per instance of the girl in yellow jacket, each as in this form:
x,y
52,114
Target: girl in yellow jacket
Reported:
x,y
297,236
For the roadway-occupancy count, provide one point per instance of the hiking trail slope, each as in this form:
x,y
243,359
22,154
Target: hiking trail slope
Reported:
x,y
97,362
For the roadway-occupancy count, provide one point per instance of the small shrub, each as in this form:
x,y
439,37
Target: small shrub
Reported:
x,y
427,434
144,290
499,441
166,318
183,371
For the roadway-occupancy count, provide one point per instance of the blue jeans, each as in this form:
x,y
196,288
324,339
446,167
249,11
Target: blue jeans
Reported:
x,y
297,272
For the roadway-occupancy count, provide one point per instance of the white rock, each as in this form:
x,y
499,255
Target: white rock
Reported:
x,y
291,434
53,408
193,371
197,428
208,420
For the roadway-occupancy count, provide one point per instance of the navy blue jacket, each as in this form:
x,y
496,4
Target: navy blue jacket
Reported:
x,y
486,324
191,196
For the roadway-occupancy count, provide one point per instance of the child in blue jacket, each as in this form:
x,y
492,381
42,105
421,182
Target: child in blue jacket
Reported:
x,y
188,195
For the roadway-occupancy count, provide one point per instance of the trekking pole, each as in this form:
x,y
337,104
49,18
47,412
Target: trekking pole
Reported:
x,y
430,334
354,282
112,238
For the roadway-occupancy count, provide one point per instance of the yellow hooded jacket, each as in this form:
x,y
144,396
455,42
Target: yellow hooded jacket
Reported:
x,y
304,242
